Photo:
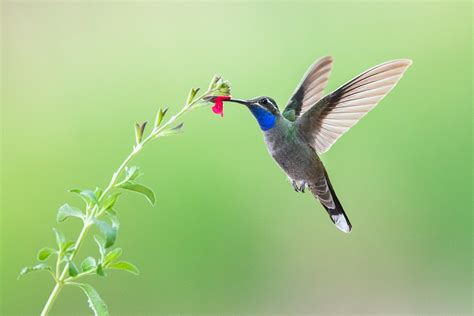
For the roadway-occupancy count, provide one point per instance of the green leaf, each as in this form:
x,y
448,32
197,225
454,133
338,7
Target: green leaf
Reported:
x,y
38,267
131,173
100,243
113,218
45,253
159,117
191,95
177,128
72,269
100,270
68,246
140,188
111,212
87,196
96,303
88,264
60,239
172,131
214,82
111,200
67,211
125,266
98,192
109,231
113,255
139,130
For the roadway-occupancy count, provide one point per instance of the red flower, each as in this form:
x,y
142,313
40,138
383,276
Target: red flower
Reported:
x,y
218,107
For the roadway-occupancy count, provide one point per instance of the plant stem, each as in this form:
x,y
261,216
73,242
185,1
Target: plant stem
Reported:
x,y
113,181
60,280
51,299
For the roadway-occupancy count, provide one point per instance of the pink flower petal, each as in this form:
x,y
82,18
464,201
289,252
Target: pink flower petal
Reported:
x,y
218,107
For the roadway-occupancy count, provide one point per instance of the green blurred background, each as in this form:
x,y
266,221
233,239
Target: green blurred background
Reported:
x,y
228,234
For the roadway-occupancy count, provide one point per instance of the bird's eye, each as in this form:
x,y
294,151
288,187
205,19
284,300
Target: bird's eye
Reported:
x,y
264,101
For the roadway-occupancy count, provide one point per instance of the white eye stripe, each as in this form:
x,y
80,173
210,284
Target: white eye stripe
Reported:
x,y
266,104
266,101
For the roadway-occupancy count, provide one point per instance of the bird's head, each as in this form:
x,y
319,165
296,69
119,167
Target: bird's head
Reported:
x,y
263,108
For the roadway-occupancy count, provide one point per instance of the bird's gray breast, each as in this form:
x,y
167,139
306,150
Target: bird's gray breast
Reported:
x,y
291,152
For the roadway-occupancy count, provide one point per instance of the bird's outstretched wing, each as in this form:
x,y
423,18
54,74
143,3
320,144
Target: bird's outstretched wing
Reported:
x,y
337,112
310,90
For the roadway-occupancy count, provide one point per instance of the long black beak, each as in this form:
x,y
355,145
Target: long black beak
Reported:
x,y
238,101
213,98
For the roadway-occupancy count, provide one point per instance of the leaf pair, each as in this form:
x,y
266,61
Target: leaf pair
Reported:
x,y
63,245
108,259
65,249
111,263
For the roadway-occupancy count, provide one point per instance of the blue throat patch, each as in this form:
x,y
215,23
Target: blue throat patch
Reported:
x,y
265,119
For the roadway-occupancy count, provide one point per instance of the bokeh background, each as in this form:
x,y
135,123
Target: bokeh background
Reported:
x,y
228,234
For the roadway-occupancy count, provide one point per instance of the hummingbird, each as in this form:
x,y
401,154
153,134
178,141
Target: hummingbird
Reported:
x,y
311,123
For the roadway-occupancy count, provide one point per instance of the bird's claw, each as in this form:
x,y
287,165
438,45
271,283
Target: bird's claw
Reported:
x,y
300,188
295,186
303,186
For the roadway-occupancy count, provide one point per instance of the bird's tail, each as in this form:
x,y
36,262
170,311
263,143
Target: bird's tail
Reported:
x,y
324,192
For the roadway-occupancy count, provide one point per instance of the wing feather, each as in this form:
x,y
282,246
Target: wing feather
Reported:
x,y
311,88
326,121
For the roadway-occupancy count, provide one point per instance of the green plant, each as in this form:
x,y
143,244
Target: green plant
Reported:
x,y
100,211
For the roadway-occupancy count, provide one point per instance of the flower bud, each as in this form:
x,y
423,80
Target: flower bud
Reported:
x,y
224,88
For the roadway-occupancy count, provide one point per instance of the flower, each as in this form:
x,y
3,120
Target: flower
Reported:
x,y
218,107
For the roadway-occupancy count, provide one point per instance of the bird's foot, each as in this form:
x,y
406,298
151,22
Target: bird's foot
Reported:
x,y
299,188
295,186
303,186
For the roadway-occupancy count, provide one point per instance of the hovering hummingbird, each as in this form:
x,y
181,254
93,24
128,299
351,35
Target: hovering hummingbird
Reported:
x,y
311,124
